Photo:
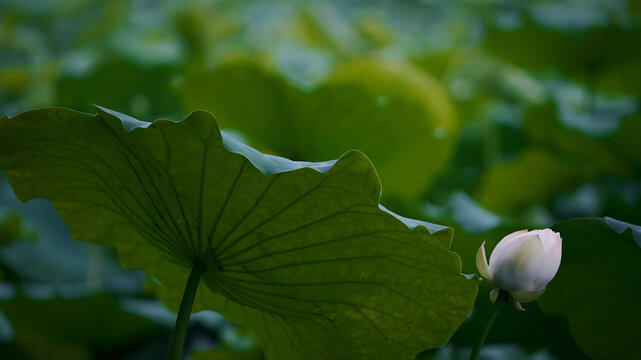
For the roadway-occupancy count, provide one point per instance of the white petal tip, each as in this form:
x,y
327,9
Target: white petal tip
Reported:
x,y
516,304
481,263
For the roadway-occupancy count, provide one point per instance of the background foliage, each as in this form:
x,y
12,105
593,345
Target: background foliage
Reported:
x,y
489,117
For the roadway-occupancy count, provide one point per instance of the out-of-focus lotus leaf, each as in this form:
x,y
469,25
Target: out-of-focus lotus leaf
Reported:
x,y
597,287
559,159
14,79
247,97
534,177
395,112
72,328
141,90
625,141
605,57
301,253
12,228
307,29
598,155
375,32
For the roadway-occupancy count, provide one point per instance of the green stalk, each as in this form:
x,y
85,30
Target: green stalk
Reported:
x,y
182,321
500,301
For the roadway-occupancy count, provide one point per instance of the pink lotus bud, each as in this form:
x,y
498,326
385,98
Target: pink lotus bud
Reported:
x,y
522,264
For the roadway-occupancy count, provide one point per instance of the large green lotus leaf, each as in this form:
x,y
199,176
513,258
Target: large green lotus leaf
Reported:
x,y
302,253
597,287
393,111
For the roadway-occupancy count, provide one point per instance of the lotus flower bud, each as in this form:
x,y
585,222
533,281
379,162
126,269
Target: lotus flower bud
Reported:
x,y
522,264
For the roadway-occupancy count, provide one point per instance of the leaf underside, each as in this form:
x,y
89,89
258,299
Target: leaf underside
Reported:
x,y
301,253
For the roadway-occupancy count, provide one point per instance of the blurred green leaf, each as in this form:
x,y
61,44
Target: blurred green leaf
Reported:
x,y
14,80
142,90
555,159
12,228
396,113
625,142
372,29
249,98
604,57
308,29
534,177
543,128
72,328
597,287
301,247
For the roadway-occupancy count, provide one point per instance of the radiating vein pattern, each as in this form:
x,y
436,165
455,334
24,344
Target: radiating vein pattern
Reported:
x,y
299,252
